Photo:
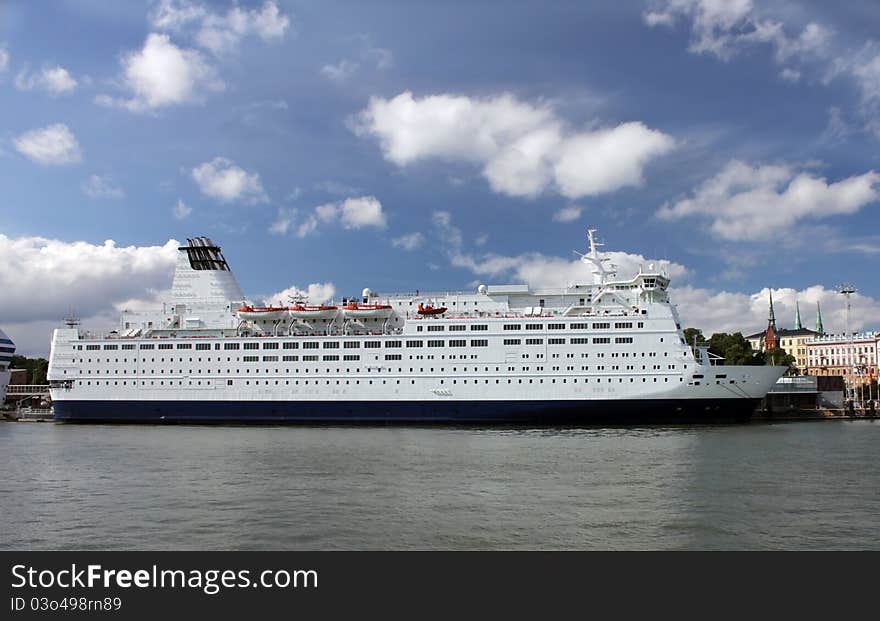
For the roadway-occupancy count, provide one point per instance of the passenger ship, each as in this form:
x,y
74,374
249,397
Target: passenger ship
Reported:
x,y
7,349
610,351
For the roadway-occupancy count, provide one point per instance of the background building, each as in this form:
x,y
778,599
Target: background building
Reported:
x,y
854,357
793,342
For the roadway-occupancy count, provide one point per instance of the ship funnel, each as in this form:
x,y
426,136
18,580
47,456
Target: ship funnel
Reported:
x,y
202,278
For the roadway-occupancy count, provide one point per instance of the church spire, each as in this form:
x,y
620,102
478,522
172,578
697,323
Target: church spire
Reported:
x,y
771,320
819,328
797,316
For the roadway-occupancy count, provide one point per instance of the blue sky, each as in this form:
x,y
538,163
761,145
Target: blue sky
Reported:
x,y
426,145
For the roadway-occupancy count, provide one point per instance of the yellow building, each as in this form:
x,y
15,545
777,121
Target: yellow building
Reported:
x,y
792,342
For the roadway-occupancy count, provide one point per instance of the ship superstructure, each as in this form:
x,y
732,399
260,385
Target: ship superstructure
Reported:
x,y
609,350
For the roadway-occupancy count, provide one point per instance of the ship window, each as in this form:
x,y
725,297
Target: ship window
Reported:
x,y
310,345
458,343
330,358
202,346
435,343
372,344
251,346
436,328
352,345
512,326
184,346
555,326
414,343
556,342
110,346
457,328
511,341
230,345
273,345
289,345
480,326
146,346
392,343
331,344
479,343
601,339
165,346
534,341
533,326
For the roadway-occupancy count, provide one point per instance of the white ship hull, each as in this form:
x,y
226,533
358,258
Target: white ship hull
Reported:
x,y
609,352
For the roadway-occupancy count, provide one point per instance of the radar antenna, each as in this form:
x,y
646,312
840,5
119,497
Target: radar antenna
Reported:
x,y
602,267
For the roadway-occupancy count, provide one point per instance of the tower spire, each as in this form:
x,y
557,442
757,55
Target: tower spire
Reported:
x,y
819,328
797,316
771,319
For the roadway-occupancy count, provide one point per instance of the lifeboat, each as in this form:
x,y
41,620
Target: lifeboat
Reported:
x,y
430,310
307,312
366,311
266,313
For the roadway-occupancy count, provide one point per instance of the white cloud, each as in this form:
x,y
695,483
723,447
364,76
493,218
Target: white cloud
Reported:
x,y
173,15
97,186
50,145
181,210
54,80
352,213
724,28
369,55
44,279
341,71
409,242
223,180
534,268
162,74
790,75
315,293
724,311
221,33
568,214
4,59
524,149
602,161
364,211
747,202
284,221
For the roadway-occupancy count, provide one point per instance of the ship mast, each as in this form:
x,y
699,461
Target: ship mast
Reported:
x,y
602,267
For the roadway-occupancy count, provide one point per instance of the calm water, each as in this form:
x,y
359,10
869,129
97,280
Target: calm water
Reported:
x,y
794,486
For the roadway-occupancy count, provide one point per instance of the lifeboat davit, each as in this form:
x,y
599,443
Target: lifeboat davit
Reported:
x,y
307,312
266,313
367,311
430,310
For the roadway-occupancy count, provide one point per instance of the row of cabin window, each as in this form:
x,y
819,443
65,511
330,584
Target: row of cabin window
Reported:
x,y
230,382
398,344
476,369
353,344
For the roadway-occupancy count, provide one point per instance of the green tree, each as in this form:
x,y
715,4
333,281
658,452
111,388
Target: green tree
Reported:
x,y
735,349
690,333
779,357
37,368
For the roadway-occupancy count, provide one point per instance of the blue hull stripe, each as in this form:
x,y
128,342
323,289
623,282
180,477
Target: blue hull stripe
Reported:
x,y
443,412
